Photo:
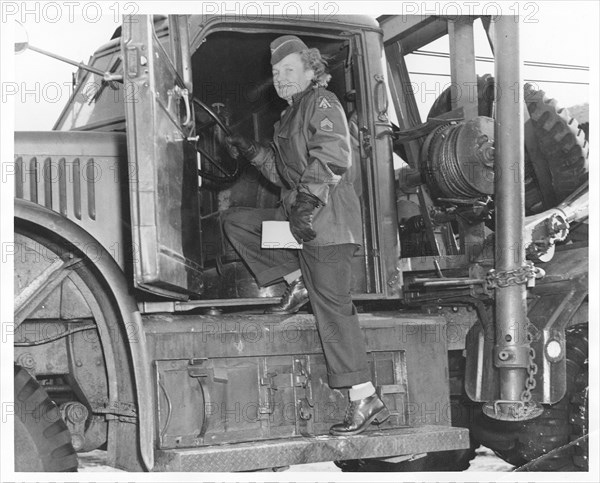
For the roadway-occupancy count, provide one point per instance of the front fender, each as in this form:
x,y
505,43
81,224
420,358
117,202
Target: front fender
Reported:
x,y
48,221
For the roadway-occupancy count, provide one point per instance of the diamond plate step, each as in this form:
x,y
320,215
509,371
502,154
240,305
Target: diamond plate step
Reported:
x,y
301,450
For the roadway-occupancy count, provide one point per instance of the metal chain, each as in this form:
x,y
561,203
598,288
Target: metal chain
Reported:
x,y
532,370
518,276
530,382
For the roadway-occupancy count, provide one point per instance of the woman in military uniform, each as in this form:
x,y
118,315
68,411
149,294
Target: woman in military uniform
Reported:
x,y
309,160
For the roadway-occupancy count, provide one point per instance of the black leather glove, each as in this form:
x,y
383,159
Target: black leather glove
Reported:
x,y
301,217
237,144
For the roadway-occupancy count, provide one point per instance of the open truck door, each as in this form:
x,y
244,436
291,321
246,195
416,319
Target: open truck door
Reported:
x,y
162,161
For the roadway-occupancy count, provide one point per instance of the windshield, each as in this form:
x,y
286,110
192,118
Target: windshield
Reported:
x,y
97,104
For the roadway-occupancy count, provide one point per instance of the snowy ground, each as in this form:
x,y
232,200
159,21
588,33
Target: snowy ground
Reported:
x,y
484,461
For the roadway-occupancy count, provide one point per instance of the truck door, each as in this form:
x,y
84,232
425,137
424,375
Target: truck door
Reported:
x,y
163,182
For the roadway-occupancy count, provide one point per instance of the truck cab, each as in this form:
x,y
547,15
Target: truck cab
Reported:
x,y
227,70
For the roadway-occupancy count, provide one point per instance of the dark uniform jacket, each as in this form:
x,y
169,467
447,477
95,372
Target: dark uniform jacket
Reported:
x,y
311,152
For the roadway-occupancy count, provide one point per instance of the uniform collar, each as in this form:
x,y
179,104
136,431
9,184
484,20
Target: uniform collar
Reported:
x,y
297,97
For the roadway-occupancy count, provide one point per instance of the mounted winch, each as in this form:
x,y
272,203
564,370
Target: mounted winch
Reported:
x,y
458,160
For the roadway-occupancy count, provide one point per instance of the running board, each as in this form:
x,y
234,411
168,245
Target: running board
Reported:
x,y
300,450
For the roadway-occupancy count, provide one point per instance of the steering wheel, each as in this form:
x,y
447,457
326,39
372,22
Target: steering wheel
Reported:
x,y
226,176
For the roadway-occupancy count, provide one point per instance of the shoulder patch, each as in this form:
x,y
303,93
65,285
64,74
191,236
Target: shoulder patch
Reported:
x,y
324,103
326,124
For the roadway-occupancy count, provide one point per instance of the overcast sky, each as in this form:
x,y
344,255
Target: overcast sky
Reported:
x,y
550,32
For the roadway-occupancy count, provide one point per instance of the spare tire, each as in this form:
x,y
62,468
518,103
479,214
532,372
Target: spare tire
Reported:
x,y
561,142
559,139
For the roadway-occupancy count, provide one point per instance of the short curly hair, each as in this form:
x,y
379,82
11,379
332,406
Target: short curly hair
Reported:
x,y
312,59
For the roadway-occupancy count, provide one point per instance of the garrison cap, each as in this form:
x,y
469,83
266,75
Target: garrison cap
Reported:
x,y
285,45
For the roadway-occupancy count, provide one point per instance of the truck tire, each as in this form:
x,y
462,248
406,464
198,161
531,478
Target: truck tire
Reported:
x,y
453,460
560,423
42,439
559,139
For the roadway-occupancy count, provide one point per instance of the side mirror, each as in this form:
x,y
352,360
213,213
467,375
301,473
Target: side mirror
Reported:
x,y
22,44
21,38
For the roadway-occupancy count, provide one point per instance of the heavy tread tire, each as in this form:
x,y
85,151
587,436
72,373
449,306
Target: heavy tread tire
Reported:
x,y
560,140
378,466
46,433
453,460
559,424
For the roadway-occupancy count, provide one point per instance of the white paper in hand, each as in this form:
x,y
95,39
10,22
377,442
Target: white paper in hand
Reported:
x,y
277,234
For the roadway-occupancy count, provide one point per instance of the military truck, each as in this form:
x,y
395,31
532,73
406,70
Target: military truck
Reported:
x,y
139,331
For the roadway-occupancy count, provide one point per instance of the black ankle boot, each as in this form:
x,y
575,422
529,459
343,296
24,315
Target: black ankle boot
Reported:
x,y
360,414
294,297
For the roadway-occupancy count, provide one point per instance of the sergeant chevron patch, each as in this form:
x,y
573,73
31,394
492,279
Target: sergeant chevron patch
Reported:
x,y
326,124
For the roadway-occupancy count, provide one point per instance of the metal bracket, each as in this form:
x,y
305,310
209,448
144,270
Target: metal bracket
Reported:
x,y
396,280
268,380
124,411
512,410
304,380
305,410
75,415
365,143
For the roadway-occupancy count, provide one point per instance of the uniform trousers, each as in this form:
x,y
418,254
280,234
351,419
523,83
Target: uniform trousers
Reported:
x,y
326,270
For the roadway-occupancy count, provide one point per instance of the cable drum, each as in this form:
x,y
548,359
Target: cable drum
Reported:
x,y
458,159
